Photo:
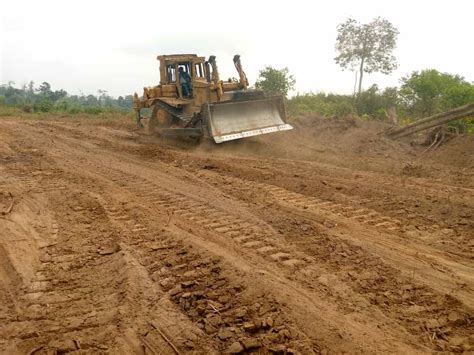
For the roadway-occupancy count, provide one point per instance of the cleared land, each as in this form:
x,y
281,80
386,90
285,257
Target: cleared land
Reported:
x,y
328,238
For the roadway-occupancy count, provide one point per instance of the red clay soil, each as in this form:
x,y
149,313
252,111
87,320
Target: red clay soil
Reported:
x,y
328,238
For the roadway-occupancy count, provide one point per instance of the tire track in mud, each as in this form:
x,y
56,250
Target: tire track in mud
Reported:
x,y
312,206
423,216
61,304
195,211
73,302
18,178
77,298
365,212
414,306
61,308
365,216
10,279
397,296
362,211
256,238
129,182
248,324
418,223
392,304
343,177
197,283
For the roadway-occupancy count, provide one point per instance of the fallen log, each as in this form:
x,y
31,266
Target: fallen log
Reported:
x,y
432,121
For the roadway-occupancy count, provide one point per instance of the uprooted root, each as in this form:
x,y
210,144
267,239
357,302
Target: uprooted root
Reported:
x,y
440,135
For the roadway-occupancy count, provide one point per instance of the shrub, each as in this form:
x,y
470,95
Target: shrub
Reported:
x,y
94,110
328,105
44,104
73,110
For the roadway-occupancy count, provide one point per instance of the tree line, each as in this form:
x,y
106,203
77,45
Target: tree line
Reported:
x,y
420,94
44,99
368,48
361,47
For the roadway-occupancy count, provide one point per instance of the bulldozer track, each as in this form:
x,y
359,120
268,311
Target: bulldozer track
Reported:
x,y
308,206
68,294
61,305
161,257
256,238
305,203
261,240
195,282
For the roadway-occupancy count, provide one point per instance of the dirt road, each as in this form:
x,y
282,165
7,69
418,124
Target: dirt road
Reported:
x,y
326,239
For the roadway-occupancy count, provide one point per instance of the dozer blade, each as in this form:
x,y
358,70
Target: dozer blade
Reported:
x,y
240,119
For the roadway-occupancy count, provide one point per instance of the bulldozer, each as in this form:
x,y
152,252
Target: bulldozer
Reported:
x,y
191,101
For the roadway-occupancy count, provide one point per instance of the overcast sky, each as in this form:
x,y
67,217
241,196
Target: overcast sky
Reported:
x,y
83,46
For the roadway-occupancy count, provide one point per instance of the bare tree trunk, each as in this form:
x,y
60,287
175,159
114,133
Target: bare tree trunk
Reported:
x,y
433,121
361,73
392,114
355,84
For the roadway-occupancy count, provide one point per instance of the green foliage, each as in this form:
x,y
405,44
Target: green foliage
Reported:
x,y
94,110
421,94
73,110
329,105
429,92
44,99
9,111
371,104
376,103
275,81
366,47
470,125
43,104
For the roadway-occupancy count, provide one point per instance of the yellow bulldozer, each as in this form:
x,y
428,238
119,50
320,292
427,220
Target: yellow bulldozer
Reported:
x,y
192,101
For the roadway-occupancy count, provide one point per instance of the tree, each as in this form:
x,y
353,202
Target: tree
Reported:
x,y
90,100
31,87
275,81
103,97
44,99
366,47
430,91
58,95
45,89
377,103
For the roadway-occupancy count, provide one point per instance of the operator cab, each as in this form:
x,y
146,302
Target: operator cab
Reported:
x,y
182,72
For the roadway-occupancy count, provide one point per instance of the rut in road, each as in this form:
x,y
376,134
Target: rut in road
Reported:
x,y
198,252
415,301
78,301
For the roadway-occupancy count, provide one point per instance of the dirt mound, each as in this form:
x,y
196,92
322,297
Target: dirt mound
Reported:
x,y
349,142
312,135
350,135
458,151
353,143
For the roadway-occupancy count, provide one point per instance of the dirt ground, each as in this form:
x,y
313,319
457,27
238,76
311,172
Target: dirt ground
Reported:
x,y
326,239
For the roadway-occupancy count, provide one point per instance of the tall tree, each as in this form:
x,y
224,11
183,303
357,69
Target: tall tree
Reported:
x,y
275,81
31,88
366,47
102,96
45,89
430,91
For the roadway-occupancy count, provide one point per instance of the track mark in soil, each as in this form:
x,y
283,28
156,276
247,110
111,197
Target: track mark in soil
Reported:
x,y
179,206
